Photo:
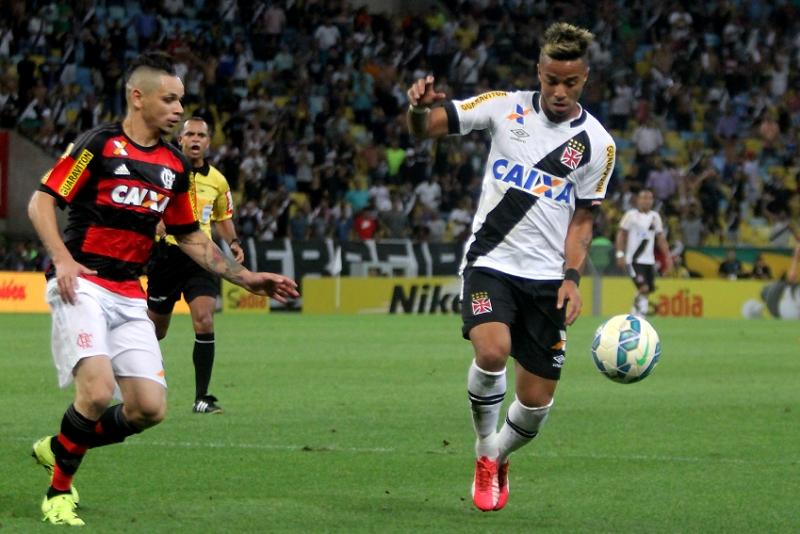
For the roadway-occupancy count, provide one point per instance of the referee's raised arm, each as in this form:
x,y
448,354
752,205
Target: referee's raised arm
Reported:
x,y
424,122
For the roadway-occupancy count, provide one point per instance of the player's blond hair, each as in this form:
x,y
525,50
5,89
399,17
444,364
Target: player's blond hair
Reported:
x,y
565,42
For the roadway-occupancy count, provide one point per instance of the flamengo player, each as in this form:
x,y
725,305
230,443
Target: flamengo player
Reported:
x,y
546,174
119,181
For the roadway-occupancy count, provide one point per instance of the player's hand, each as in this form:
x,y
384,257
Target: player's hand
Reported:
x,y
270,285
422,95
668,266
569,292
238,253
67,272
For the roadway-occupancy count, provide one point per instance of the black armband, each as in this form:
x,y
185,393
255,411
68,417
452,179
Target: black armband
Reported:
x,y
573,275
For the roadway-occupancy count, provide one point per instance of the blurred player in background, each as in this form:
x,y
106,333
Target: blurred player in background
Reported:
x,y
546,174
171,272
119,180
639,231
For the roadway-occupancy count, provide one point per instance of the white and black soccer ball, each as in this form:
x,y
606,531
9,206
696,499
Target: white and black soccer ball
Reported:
x,y
626,349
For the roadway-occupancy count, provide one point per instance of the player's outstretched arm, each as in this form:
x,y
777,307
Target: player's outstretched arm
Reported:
x,y
208,255
423,122
42,212
579,238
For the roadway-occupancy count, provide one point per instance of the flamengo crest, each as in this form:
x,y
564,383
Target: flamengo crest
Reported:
x,y
167,178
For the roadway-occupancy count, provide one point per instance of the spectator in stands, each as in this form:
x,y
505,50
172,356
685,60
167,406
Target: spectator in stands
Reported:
x,y
436,226
761,270
299,224
731,268
783,231
304,171
622,104
394,223
648,139
249,220
661,181
728,126
461,219
17,259
322,220
692,226
429,192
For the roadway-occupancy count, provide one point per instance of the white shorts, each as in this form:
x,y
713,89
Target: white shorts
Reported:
x,y
103,323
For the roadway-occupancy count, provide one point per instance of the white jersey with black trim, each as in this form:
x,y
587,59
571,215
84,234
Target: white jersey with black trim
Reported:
x,y
642,230
537,173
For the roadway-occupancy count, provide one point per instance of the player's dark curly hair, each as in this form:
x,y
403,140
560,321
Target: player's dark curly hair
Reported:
x,y
156,61
565,42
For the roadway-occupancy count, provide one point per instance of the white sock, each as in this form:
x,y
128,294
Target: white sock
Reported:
x,y
486,393
522,425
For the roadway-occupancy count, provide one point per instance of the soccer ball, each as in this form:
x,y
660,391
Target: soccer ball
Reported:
x,y
626,349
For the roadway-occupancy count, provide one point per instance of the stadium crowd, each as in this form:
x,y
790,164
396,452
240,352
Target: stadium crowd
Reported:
x,y
306,101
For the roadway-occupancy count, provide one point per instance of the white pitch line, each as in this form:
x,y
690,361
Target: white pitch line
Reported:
x,y
379,450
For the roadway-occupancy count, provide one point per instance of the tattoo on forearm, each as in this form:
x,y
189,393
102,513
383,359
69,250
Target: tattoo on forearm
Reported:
x,y
586,242
212,259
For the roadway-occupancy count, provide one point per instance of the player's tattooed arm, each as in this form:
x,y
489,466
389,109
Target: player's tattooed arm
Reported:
x,y
208,255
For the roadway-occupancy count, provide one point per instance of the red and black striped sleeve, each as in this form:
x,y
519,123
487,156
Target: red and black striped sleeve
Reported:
x,y
74,168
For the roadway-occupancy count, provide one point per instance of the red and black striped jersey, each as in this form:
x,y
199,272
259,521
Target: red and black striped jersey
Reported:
x,y
117,192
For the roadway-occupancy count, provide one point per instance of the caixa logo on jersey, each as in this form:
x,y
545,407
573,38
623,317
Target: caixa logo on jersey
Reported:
x,y
139,197
533,180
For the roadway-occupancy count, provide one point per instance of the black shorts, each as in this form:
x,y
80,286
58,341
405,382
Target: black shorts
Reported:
x,y
171,272
527,307
643,274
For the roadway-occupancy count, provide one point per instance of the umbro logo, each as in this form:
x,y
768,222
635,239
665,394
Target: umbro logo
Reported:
x,y
122,170
520,133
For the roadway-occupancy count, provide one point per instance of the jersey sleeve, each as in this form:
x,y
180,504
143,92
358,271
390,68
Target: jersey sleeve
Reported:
x,y
591,190
477,113
223,205
74,169
625,223
179,217
658,223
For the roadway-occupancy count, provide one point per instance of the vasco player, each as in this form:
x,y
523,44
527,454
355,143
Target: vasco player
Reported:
x,y
639,231
119,181
171,272
545,176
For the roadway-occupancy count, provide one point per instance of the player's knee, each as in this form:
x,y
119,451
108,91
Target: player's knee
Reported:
x,y
492,357
161,333
95,400
148,414
204,323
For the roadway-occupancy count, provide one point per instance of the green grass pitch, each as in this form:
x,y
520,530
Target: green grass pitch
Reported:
x,y
360,424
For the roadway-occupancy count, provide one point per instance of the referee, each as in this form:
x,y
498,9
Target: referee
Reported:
x,y
171,272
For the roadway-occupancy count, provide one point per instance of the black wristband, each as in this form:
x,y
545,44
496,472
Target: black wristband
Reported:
x,y
573,275
235,240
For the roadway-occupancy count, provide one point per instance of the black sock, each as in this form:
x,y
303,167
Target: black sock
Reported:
x,y
112,428
203,357
69,447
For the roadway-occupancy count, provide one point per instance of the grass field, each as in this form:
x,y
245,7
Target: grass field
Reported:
x,y
361,425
